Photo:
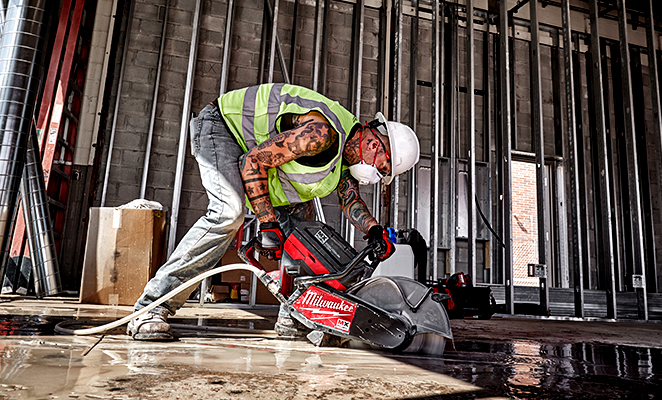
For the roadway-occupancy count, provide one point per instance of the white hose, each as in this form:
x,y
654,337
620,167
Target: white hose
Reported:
x,y
91,331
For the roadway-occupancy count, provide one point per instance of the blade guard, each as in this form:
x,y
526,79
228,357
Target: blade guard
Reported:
x,y
409,298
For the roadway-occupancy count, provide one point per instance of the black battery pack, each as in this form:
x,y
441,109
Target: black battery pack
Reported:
x,y
314,248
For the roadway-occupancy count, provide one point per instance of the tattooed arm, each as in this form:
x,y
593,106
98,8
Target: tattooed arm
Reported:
x,y
353,205
310,134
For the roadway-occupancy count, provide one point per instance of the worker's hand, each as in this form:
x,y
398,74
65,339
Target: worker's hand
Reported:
x,y
378,239
270,240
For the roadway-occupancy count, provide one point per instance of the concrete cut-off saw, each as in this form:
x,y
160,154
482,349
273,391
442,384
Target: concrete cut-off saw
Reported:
x,y
327,286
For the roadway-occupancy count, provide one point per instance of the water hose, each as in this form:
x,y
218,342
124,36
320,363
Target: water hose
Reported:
x,y
272,285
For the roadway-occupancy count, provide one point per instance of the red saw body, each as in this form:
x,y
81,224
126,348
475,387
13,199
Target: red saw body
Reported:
x,y
326,285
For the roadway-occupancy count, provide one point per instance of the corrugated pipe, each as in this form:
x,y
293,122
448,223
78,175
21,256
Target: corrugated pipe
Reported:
x,y
38,223
21,65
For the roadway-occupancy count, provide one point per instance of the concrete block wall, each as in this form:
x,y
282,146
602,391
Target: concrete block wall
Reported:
x,y
244,70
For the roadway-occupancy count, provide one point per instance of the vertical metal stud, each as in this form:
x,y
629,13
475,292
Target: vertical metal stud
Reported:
x,y
487,150
452,145
183,133
356,82
539,142
575,204
274,33
657,111
155,102
506,127
293,40
436,140
227,42
617,174
471,131
641,146
581,129
317,43
632,167
396,100
413,110
603,159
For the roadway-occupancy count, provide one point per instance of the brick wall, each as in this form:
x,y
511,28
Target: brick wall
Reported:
x,y
525,221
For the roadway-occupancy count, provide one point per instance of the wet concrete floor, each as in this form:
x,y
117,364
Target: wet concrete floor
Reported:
x,y
482,363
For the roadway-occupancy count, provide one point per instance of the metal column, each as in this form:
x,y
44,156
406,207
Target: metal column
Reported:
x,y
183,134
227,43
437,123
396,100
639,275
293,40
575,204
506,178
452,146
155,102
487,148
413,110
539,143
657,108
274,32
355,86
603,162
118,98
471,131
317,43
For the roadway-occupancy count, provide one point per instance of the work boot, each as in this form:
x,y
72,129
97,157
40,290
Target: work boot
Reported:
x,y
149,326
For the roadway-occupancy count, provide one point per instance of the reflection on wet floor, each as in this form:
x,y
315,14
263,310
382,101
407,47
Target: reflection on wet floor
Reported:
x,y
27,325
529,369
36,364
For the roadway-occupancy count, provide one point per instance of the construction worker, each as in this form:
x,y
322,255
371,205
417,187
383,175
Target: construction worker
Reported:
x,y
279,146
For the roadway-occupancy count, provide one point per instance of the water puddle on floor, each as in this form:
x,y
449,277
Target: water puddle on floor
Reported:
x,y
35,364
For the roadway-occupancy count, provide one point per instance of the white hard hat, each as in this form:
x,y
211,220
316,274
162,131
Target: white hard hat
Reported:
x,y
405,150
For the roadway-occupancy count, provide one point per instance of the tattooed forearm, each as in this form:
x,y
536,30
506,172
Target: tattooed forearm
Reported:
x,y
264,211
255,185
308,135
352,205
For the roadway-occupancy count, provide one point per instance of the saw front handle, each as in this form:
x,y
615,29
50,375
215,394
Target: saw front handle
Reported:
x,y
247,251
246,254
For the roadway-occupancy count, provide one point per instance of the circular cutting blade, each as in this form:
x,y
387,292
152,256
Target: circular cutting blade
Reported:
x,y
427,343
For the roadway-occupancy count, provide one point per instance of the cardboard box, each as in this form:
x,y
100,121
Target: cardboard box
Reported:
x,y
125,248
243,277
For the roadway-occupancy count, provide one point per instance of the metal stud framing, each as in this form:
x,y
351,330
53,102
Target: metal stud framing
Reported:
x,y
639,273
471,131
575,204
452,145
437,115
657,109
603,160
506,161
611,240
539,146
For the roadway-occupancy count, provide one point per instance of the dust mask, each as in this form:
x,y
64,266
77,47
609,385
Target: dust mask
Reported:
x,y
366,174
